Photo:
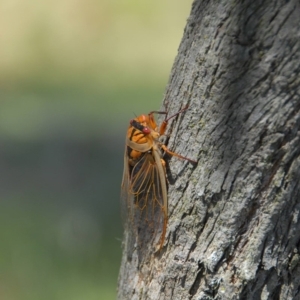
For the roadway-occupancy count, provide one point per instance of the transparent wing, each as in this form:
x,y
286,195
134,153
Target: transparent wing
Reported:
x,y
144,203
127,207
145,185
126,197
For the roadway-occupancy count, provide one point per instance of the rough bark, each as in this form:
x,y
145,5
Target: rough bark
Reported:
x,y
234,225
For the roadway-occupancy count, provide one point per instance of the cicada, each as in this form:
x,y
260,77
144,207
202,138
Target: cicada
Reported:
x,y
144,183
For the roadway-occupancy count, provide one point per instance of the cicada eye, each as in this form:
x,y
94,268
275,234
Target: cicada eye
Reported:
x,y
134,123
146,130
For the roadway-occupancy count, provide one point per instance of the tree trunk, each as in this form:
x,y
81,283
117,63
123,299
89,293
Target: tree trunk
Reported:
x,y
234,226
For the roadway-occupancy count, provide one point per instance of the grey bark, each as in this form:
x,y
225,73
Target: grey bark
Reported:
x,y
234,224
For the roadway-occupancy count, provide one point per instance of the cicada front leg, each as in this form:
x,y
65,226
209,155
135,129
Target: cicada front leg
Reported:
x,y
164,124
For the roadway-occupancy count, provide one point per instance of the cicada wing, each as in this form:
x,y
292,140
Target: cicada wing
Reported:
x,y
127,209
148,185
126,203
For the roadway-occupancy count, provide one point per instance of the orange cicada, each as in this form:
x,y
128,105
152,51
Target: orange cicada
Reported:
x,y
144,184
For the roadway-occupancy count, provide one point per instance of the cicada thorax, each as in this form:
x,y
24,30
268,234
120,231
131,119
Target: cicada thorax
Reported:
x,y
138,142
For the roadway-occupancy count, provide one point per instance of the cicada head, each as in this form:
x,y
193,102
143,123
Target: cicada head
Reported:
x,y
146,124
139,126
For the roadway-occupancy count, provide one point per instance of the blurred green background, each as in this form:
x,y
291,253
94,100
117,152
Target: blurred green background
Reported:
x,y
72,73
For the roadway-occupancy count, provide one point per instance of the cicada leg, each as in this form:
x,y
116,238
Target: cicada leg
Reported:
x,y
164,124
165,148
